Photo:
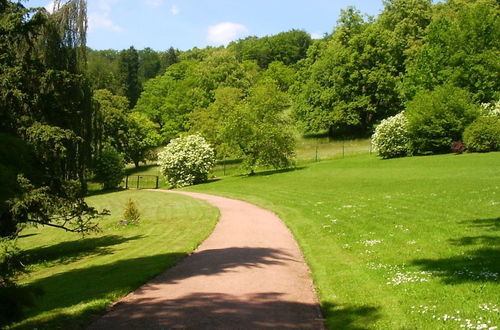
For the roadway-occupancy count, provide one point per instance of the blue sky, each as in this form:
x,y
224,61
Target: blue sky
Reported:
x,y
184,24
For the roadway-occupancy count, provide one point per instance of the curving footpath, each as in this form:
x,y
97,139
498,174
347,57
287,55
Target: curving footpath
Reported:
x,y
249,274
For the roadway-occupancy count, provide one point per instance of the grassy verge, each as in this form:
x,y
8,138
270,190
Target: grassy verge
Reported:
x,y
80,277
410,243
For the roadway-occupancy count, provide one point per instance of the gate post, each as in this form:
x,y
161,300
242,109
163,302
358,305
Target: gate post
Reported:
x,y
138,179
156,182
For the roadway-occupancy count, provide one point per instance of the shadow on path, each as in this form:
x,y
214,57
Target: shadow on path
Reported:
x,y
215,261
214,311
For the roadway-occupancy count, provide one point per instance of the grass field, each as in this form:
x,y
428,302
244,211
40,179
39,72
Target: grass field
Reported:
x,y
410,243
308,150
80,277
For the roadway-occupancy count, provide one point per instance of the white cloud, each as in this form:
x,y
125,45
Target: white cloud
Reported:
x,y
101,21
174,10
154,3
223,33
316,35
50,6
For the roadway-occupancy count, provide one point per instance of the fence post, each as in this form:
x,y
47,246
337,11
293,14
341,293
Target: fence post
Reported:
x,y
343,148
126,182
316,154
156,182
138,179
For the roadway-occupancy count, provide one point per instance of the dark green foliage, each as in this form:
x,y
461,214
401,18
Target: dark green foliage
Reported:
x,y
168,58
13,297
109,168
45,102
149,64
483,134
102,69
131,212
128,75
437,118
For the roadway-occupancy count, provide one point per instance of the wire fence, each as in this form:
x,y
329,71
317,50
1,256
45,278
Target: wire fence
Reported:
x,y
307,152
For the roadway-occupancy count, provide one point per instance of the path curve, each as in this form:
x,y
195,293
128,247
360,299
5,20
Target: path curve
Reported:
x,y
248,274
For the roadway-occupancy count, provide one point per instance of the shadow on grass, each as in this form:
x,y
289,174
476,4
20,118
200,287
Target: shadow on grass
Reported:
x,y
272,172
70,251
103,192
488,224
266,310
480,264
350,317
92,285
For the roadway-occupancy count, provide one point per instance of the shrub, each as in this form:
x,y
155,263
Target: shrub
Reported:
x,y
439,117
457,147
391,137
186,161
109,168
483,135
131,212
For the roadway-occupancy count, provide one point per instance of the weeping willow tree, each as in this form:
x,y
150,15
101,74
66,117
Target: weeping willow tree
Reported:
x,y
46,115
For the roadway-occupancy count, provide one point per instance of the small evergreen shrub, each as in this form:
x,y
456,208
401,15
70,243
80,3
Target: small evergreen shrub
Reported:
x,y
391,137
186,161
109,168
131,213
439,117
483,135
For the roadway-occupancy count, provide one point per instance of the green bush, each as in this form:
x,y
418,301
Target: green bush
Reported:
x,y
391,137
439,117
186,161
109,168
131,212
483,135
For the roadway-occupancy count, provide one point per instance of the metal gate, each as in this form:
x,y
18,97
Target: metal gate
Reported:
x,y
141,182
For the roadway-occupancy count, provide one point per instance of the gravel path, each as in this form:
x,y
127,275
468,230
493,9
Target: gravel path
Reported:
x,y
249,274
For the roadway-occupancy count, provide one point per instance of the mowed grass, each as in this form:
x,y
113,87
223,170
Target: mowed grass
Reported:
x,y
308,150
409,243
80,277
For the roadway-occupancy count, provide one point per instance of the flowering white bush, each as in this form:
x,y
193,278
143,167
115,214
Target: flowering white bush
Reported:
x,y
391,137
490,109
186,161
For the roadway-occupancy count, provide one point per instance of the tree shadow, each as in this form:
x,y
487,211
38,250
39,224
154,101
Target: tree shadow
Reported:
x,y
487,224
103,191
272,172
480,264
216,261
350,317
70,251
94,283
91,287
267,310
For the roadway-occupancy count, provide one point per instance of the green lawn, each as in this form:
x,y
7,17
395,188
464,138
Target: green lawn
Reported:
x,y
81,277
410,243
